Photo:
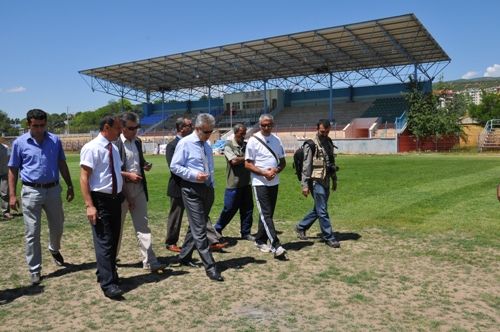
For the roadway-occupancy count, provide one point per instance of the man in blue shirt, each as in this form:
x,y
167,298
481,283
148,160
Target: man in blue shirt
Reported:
x,y
193,163
38,157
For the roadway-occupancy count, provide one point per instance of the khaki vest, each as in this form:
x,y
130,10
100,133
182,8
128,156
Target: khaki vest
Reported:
x,y
318,162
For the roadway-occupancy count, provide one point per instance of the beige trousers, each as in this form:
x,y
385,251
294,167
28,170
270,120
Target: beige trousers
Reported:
x,y
135,202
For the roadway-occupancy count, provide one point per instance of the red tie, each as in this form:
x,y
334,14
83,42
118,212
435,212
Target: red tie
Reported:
x,y
112,166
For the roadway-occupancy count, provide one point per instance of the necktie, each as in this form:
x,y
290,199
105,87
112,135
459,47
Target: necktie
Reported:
x,y
112,166
206,169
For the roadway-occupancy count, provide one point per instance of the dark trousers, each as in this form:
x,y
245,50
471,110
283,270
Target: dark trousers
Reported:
x,y
237,199
174,220
106,233
265,198
198,200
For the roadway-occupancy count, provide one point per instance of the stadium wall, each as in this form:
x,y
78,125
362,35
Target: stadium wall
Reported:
x,y
194,106
321,97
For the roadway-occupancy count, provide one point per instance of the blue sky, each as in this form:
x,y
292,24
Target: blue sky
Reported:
x,y
43,44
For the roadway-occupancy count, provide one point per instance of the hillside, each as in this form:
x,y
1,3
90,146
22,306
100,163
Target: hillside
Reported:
x,y
459,85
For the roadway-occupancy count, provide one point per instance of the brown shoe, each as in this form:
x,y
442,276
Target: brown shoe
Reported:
x,y
218,246
173,247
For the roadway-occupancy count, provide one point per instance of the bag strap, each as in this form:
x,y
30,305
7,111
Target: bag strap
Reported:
x,y
267,146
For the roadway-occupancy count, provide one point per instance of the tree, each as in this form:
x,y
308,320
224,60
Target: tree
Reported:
x,y
6,127
427,119
88,121
488,109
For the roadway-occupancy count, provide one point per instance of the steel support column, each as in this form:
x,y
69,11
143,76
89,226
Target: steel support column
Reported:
x,y
265,96
330,105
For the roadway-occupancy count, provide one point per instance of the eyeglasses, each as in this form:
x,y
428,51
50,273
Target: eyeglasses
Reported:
x,y
134,128
266,126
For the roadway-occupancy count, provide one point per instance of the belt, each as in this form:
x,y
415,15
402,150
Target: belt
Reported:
x,y
41,185
106,196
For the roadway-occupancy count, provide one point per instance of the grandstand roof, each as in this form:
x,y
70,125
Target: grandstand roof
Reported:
x,y
387,43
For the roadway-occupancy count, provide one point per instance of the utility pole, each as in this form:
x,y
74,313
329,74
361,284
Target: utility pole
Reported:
x,y
67,119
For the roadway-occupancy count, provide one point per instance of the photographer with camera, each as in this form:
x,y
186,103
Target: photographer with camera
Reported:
x,y
238,193
318,168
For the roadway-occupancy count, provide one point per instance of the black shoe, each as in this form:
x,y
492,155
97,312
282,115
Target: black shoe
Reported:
x,y
113,292
301,234
248,237
188,263
58,258
215,276
333,243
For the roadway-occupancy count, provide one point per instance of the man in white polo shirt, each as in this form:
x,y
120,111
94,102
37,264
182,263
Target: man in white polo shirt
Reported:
x,y
265,158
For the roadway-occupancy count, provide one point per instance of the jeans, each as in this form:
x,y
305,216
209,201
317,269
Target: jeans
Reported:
x,y
234,199
320,211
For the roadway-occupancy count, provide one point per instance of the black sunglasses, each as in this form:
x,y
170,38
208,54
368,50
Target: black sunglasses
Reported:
x,y
134,128
267,126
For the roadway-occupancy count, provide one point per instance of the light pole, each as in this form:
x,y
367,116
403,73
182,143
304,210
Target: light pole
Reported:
x,y
67,119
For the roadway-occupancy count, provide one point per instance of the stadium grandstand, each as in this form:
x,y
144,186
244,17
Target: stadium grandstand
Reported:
x,y
354,75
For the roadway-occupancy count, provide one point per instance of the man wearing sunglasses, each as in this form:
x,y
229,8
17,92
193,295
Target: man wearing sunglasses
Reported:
x,y
193,162
135,189
38,158
265,158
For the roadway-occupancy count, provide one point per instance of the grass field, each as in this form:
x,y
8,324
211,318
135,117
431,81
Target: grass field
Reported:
x,y
420,250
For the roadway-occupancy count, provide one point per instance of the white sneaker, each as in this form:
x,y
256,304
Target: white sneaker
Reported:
x,y
263,247
280,252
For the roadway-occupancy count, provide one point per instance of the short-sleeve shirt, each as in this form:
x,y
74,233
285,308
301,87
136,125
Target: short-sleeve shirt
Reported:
x,y
237,176
131,160
95,155
37,163
263,158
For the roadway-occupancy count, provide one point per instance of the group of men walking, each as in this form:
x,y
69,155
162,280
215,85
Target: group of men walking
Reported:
x,y
113,182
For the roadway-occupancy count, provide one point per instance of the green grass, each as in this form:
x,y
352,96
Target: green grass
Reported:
x,y
405,195
426,257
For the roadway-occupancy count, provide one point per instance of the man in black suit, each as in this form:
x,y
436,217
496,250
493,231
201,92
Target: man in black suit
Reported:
x,y
184,127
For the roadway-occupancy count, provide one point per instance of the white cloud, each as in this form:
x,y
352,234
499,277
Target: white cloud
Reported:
x,y
469,74
16,89
493,71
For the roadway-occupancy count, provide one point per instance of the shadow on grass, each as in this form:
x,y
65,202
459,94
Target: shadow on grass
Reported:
x,y
348,236
238,263
131,283
71,268
298,245
9,295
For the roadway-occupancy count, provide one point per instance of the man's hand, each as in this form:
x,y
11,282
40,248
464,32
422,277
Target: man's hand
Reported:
x,y
70,194
135,178
305,191
13,203
270,173
92,214
147,166
202,177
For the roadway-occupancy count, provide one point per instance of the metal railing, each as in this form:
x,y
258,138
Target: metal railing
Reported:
x,y
401,122
490,136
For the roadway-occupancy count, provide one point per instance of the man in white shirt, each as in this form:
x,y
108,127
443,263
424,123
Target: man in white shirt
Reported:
x,y
101,185
265,158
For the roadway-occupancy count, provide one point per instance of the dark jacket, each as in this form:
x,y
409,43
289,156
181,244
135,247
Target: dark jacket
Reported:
x,y
142,161
174,183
